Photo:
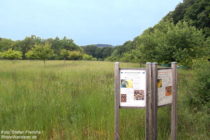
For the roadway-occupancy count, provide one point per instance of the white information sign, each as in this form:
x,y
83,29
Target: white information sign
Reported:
x,y
164,84
132,88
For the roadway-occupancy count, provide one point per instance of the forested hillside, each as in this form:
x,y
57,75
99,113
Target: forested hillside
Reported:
x,y
182,35
195,12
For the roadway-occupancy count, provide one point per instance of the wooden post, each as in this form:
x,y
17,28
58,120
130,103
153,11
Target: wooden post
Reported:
x,y
117,100
148,119
154,101
173,105
151,101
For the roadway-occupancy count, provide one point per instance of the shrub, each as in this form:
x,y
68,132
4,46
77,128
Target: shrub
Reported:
x,y
88,57
75,55
199,87
11,54
42,51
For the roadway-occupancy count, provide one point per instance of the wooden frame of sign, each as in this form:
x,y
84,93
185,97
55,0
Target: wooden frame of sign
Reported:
x,y
148,88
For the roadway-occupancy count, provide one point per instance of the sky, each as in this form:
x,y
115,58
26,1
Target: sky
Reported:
x,y
85,21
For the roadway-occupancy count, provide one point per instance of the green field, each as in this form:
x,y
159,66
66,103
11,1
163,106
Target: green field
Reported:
x,y
74,100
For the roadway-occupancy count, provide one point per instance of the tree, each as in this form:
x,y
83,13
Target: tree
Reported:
x,y
11,54
98,52
64,54
60,44
106,51
69,44
40,51
75,55
194,12
168,42
28,43
91,50
6,44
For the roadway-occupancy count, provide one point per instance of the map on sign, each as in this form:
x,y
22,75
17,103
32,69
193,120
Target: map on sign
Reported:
x,y
164,84
132,88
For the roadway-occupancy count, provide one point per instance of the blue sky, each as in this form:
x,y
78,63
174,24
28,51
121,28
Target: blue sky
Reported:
x,y
85,21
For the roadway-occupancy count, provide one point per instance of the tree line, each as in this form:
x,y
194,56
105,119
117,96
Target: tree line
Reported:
x,y
34,47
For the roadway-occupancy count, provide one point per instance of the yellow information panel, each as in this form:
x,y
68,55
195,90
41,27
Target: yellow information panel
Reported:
x,y
164,85
132,88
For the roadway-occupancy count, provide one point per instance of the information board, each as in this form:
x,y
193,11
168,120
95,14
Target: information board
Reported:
x,y
132,88
164,84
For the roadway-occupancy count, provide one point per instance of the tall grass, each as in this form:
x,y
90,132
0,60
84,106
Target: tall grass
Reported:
x,y
74,100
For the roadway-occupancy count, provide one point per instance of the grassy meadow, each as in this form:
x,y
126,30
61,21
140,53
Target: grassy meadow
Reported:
x,y
74,100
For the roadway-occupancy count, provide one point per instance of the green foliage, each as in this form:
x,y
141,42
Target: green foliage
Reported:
x,y
75,55
5,44
105,52
112,58
131,56
181,36
42,51
164,43
11,54
27,44
167,42
91,50
62,44
98,52
88,57
194,12
207,44
199,87
64,54
119,51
